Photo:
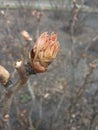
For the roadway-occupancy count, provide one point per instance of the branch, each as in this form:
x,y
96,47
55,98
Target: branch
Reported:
x,y
41,55
24,71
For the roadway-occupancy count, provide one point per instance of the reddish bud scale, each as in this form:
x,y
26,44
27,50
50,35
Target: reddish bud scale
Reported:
x,y
44,51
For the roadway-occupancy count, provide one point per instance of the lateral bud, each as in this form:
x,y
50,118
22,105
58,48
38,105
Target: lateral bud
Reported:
x,y
4,76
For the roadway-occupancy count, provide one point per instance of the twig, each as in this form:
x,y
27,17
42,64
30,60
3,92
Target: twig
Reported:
x,y
24,73
89,43
33,103
56,114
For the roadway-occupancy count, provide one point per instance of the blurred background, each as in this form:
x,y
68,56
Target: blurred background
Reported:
x,y
66,96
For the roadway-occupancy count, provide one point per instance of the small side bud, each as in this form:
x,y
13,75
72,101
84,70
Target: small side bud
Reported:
x,y
26,35
4,76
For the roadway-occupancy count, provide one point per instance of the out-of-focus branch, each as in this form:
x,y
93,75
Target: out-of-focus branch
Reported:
x,y
38,16
28,39
75,12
